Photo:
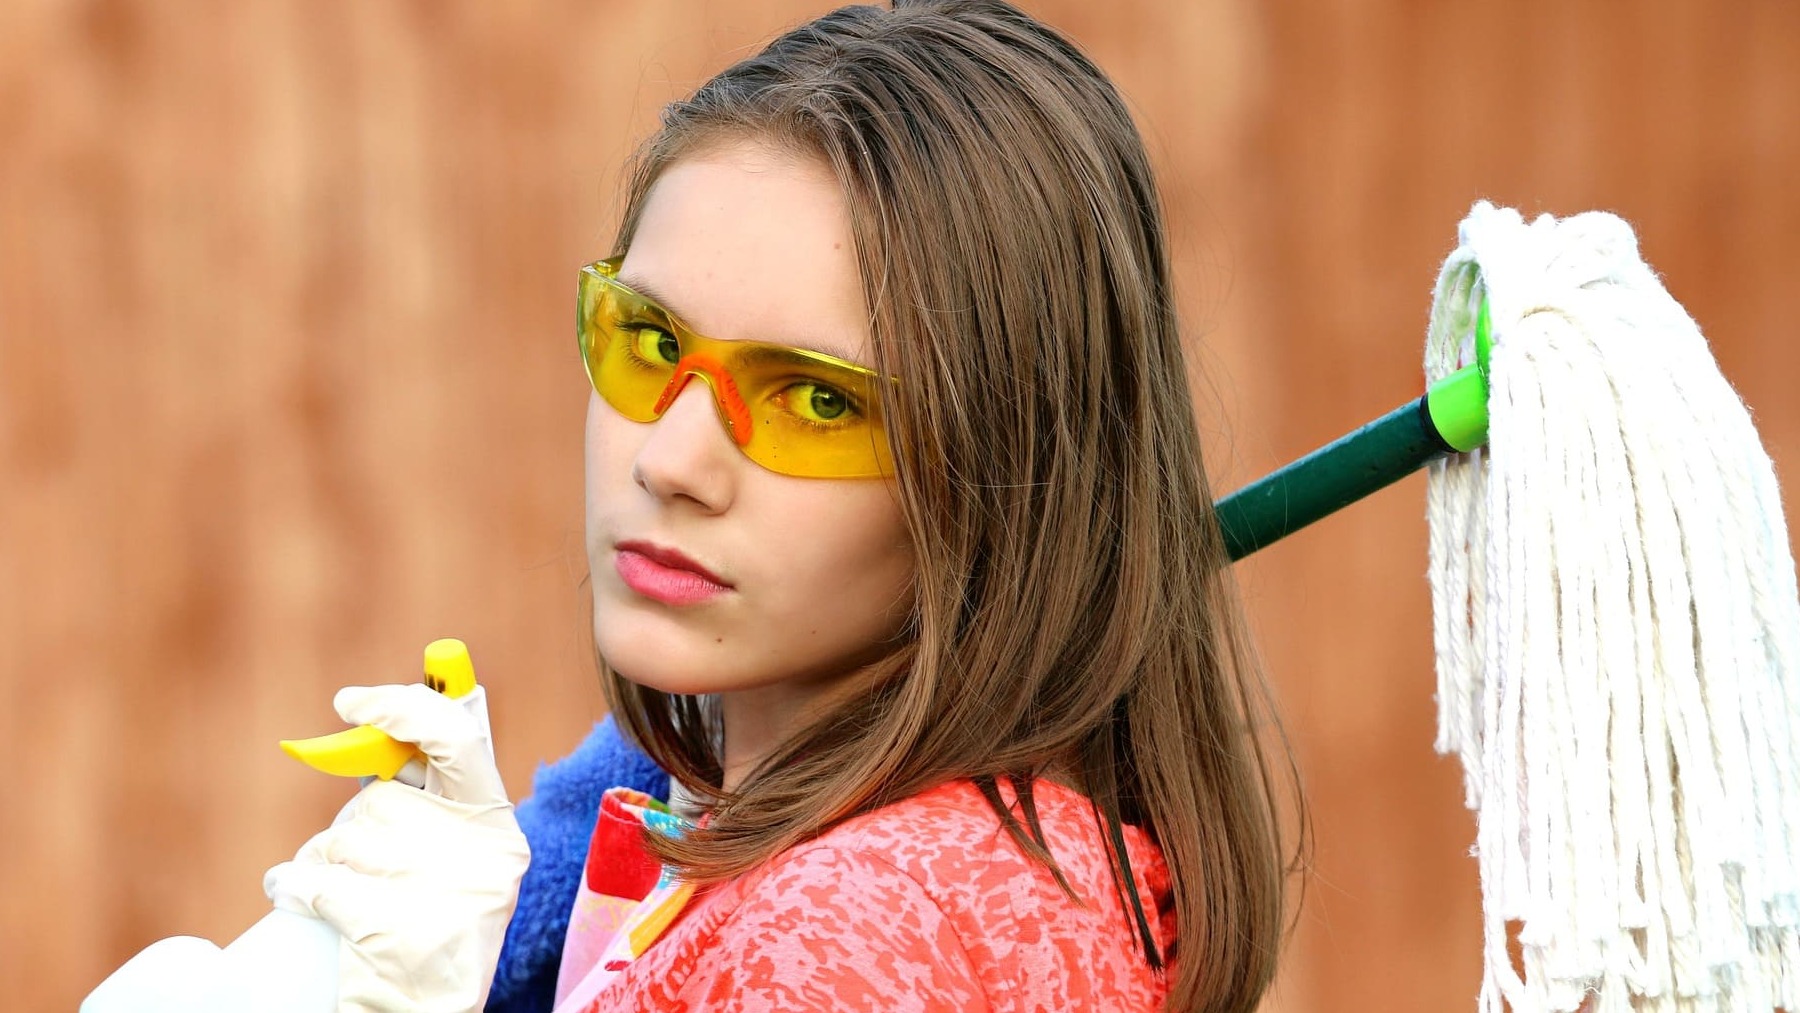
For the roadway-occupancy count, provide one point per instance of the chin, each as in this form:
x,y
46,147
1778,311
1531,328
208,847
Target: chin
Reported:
x,y
659,675
658,659
643,664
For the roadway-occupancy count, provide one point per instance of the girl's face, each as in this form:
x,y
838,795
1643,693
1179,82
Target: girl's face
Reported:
x,y
710,573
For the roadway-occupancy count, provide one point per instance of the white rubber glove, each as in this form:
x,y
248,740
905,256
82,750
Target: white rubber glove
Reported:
x,y
420,884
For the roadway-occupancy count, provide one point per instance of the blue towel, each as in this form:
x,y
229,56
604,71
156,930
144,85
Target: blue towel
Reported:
x,y
558,819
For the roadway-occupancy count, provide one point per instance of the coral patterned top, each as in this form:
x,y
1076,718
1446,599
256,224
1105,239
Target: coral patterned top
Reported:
x,y
926,904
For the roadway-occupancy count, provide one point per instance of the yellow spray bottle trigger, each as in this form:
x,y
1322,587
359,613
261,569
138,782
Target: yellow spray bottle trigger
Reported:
x,y
366,751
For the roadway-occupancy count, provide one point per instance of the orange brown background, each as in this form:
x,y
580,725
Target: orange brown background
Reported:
x,y
287,385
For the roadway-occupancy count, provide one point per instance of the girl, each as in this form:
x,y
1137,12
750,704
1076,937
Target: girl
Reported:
x,y
903,561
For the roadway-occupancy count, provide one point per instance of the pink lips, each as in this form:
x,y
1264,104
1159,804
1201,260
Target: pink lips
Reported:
x,y
665,575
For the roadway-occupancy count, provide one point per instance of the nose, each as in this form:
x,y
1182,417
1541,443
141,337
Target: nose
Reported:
x,y
688,455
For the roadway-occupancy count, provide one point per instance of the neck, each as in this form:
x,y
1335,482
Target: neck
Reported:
x,y
757,721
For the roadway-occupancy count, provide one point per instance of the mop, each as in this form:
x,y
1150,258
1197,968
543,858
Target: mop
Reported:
x,y
1617,635
1616,624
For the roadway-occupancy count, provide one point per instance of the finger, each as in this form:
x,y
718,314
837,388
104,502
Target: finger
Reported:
x,y
400,831
370,850
458,752
358,906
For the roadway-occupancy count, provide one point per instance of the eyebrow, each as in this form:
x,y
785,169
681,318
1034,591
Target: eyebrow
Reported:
x,y
650,292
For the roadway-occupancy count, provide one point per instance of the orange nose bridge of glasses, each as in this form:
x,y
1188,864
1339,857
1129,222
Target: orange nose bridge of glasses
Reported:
x,y
725,392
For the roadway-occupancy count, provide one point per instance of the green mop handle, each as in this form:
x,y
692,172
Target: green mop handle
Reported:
x,y
1449,418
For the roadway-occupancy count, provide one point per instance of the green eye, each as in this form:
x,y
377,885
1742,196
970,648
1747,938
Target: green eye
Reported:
x,y
656,345
818,403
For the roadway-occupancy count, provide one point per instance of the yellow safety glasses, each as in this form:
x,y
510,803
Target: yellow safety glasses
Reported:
x,y
793,411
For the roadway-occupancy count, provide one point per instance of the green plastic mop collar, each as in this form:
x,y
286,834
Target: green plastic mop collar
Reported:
x,y
1451,417
1458,403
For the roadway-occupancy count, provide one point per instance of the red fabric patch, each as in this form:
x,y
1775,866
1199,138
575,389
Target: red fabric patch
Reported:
x,y
617,864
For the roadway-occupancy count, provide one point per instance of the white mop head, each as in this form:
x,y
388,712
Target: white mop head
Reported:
x,y
1618,637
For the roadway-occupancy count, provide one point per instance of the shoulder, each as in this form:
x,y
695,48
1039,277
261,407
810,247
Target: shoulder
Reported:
x,y
948,836
839,888
926,904
951,842
899,878
822,928
936,876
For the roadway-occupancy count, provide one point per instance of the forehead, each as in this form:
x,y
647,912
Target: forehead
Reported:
x,y
749,243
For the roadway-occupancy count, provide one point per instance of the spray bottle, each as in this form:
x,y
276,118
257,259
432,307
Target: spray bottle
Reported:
x,y
287,962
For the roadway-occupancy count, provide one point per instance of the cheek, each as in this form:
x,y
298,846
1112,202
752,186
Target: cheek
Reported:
x,y
848,563
607,452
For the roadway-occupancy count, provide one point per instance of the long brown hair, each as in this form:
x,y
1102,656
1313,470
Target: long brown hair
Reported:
x,y
1074,612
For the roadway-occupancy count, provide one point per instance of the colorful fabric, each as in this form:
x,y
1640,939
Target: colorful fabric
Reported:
x,y
926,904
625,901
558,820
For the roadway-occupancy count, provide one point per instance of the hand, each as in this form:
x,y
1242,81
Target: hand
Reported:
x,y
420,884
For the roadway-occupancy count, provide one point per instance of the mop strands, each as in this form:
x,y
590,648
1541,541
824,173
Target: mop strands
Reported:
x,y
1618,637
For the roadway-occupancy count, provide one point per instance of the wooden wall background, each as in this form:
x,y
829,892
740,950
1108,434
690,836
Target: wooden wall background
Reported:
x,y
287,387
